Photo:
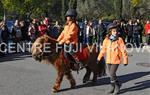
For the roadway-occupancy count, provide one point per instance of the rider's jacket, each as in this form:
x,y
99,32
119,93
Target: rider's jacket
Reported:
x,y
69,35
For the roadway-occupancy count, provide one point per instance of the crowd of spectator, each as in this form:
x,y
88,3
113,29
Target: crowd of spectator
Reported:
x,y
90,31
22,31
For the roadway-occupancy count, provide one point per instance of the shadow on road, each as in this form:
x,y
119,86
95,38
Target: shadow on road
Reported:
x,y
123,79
132,76
138,86
15,56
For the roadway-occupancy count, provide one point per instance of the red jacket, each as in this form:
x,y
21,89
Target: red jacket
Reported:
x,y
42,29
147,29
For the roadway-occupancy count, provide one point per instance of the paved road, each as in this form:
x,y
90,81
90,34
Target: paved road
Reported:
x,y
21,75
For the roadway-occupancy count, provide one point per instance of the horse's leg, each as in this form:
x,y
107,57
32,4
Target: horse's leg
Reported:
x,y
94,76
70,79
87,75
58,82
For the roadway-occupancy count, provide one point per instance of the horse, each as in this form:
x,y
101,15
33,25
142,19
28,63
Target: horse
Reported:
x,y
64,68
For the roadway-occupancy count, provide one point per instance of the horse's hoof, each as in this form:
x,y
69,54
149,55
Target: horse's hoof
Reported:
x,y
94,80
84,81
54,90
73,85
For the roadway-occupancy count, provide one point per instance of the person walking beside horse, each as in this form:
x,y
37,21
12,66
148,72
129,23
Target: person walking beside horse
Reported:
x,y
114,48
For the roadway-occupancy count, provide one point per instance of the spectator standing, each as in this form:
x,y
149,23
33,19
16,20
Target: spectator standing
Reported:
x,y
130,31
24,31
16,32
140,30
90,32
122,29
101,32
32,32
147,32
4,37
81,31
42,28
56,29
136,35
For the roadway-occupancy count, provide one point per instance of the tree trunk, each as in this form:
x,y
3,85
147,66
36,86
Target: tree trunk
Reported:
x,y
118,9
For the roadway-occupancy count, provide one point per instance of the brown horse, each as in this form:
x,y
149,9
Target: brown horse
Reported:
x,y
64,68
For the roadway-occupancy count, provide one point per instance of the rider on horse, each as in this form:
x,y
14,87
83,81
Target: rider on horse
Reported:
x,y
69,37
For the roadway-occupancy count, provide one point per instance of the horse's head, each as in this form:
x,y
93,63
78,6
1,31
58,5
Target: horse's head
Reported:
x,y
43,47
